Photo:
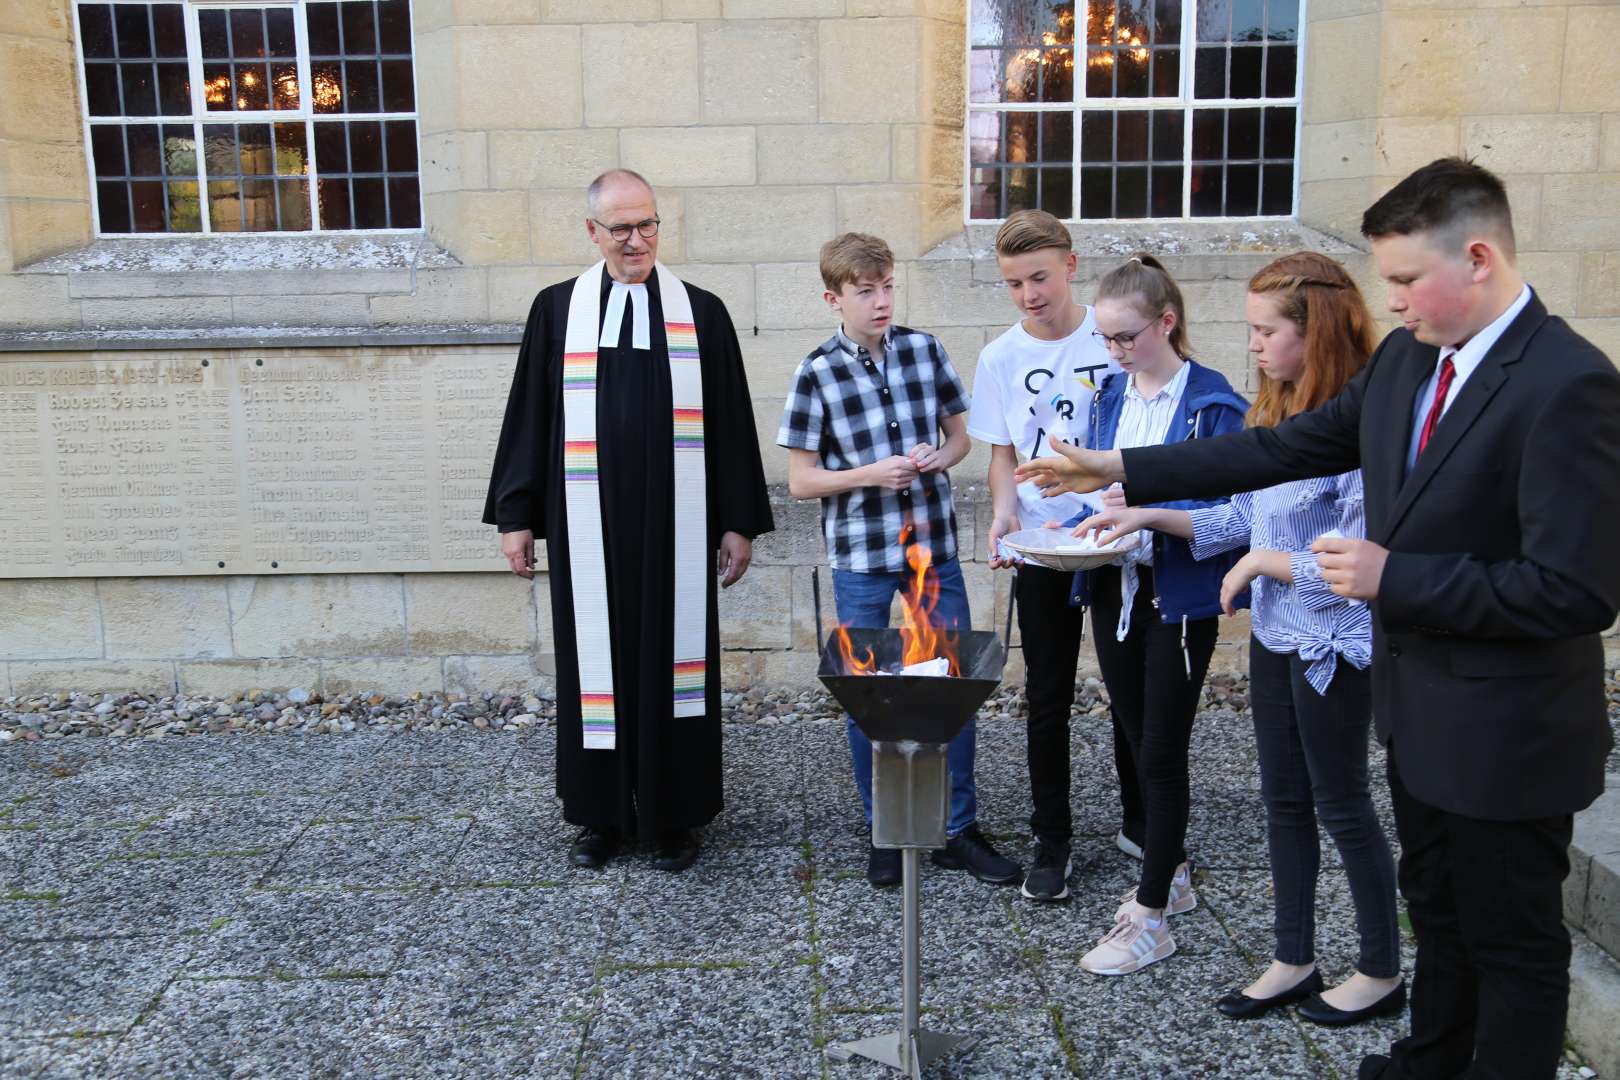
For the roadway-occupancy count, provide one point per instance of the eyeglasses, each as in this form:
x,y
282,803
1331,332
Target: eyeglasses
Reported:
x,y
620,233
1126,341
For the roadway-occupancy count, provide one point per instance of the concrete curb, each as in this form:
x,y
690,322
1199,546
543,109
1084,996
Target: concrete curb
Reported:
x,y
1592,907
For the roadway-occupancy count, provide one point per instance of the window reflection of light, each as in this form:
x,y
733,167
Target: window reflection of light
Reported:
x,y
287,89
327,94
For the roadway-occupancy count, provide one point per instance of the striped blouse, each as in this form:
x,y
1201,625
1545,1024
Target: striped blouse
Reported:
x,y
1306,617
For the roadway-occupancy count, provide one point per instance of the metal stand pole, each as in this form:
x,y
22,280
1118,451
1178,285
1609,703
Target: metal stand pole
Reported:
x,y
910,961
910,1048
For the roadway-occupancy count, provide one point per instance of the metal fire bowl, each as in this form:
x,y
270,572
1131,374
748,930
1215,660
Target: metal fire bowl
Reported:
x,y
924,708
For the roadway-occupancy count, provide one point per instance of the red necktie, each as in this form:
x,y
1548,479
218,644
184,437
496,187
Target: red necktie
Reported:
x,y
1448,371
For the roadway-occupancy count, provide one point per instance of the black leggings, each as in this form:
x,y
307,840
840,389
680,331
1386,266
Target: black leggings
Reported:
x,y
1154,678
1313,765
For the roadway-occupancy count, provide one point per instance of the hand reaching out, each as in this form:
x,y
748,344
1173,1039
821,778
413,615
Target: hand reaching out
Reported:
x,y
1075,470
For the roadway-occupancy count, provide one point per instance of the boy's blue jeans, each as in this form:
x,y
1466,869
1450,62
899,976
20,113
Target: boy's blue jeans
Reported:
x,y
863,600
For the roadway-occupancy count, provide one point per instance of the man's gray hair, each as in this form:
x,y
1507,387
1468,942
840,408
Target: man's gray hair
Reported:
x,y
593,194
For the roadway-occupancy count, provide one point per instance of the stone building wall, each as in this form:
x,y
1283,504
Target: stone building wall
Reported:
x,y
768,126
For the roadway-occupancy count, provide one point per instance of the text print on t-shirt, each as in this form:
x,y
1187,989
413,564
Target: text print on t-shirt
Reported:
x,y
1052,408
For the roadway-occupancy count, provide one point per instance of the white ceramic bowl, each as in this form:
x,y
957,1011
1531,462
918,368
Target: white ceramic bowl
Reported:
x,y
1056,549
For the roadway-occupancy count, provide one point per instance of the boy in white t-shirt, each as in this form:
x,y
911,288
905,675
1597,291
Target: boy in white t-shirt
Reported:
x,y
1035,380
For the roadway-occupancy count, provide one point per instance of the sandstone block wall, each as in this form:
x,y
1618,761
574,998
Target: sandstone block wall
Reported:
x,y
768,125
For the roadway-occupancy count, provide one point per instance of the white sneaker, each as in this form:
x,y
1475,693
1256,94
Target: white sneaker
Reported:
x,y
1129,946
1127,845
1182,898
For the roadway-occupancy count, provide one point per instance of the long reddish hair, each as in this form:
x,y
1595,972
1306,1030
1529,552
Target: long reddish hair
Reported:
x,y
1322,301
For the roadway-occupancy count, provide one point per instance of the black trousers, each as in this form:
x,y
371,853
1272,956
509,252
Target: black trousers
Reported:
x,y
1154,680
1051,631
1313,764
1491,987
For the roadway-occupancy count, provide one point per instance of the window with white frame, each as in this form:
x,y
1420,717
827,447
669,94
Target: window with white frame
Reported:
x,y
231,117
1111,109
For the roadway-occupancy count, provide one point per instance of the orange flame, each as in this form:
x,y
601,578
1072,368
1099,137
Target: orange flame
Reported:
x,y
921,638
854,665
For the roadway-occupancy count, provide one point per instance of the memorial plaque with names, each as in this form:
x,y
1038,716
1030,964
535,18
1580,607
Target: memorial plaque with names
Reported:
x,y
326,461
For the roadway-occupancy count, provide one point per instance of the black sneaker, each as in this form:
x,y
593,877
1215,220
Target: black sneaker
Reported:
x,y
970,851
1048,879
883,867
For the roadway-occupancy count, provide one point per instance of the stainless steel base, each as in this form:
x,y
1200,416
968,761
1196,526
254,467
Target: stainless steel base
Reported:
x,y
926,1047
910,1048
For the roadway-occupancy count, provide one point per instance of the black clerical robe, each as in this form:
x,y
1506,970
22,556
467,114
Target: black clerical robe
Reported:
x,y
665,772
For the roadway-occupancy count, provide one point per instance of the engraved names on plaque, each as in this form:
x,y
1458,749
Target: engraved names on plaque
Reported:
x,y
189,463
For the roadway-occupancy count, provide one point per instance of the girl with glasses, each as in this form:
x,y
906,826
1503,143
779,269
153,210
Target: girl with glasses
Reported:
x,y
1154,614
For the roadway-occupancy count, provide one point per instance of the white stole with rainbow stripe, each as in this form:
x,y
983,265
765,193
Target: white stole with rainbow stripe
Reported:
x,y
587,562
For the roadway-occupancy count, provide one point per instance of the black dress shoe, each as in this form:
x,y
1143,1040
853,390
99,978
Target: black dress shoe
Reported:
x,y
1240,1006
676,850
883,867
1318,1011
1372,1067
594,847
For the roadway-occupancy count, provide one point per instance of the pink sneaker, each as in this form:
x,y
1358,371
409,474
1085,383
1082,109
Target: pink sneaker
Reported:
x,y
1182,898
1129,946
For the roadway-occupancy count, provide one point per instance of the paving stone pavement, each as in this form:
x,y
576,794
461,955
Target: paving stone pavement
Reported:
x,y
400,905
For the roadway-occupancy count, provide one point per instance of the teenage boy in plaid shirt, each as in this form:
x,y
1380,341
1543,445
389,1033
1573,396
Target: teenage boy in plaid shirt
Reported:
x,y
862,426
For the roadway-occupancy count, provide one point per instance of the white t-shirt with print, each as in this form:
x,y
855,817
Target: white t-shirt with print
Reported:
x,y
1026,389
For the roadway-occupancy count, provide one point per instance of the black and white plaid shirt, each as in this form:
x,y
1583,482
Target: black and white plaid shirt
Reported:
x,y
853,410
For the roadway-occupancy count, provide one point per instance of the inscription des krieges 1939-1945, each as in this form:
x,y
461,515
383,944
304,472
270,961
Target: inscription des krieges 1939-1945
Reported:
x,y
189,463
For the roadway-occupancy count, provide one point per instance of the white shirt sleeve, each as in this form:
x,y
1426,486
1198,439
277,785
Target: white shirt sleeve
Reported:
x,y
987,420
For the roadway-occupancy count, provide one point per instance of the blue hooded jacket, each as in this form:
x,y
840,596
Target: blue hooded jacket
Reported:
x,y
1186,587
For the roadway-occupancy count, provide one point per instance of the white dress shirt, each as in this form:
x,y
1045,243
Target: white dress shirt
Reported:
x,y
1465,360
1143,421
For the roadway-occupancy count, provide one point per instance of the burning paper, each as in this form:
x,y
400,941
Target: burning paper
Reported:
x,y
939,665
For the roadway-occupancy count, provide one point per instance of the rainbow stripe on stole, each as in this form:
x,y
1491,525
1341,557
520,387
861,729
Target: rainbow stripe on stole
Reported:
x,y
582,476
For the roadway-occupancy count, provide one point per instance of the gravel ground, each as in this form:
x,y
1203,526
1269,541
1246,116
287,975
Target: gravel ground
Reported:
x,y
395,900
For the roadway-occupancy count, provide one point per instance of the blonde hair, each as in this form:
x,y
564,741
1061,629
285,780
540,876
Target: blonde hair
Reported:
x,y
1032,230
852,256
1320,298
1146,284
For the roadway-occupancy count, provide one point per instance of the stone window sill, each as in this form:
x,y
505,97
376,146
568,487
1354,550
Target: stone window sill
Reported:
x,y
1181,238
170,275
291,252
215,338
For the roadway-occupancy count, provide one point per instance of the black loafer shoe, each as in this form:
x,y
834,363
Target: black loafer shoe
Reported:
x,y
677,850
593,848
1372,1067
970,851
883,867
1240,1006
1318,1011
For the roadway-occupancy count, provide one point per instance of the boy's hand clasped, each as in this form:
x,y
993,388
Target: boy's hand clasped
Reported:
x,y
1352,568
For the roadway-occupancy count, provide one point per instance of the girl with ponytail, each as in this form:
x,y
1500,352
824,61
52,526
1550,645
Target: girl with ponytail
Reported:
x,y
1155,613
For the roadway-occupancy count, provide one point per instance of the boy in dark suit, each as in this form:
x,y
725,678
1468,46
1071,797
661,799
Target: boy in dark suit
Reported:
x,y
1488,433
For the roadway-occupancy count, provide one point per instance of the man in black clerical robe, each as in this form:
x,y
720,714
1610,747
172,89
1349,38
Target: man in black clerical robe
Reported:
x,y
661,780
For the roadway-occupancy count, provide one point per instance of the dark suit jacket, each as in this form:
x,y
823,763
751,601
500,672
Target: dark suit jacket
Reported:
x,y
1504,563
